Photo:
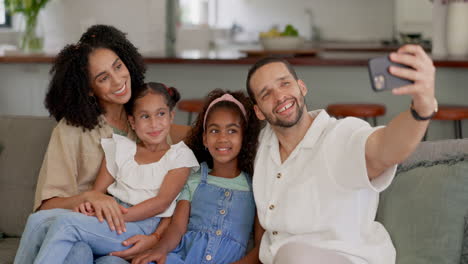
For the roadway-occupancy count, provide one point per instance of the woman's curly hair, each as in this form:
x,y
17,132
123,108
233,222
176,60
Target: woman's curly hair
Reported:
x,y
69,90
250,127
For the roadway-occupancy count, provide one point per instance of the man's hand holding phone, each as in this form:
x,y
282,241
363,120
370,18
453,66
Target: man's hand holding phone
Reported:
x,y
419,76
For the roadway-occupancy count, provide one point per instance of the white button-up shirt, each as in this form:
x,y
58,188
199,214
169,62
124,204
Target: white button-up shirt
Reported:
x,y
321,195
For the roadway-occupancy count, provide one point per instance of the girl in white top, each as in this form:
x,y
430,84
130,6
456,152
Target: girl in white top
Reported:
x,y
144,177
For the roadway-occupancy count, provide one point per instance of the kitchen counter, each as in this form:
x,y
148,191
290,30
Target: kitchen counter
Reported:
x,y
324,58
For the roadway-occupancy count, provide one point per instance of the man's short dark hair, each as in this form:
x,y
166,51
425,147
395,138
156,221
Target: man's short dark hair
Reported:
x,y
262,62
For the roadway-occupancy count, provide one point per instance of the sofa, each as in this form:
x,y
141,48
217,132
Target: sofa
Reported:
x,y
24,141
425,209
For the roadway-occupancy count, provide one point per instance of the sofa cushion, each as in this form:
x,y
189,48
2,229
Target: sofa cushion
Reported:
x,y
424,209
8,248
25,140
464,256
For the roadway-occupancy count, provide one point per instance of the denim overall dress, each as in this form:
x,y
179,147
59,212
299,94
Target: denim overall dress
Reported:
x,y
220,224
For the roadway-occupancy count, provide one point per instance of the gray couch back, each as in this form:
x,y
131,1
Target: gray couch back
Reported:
x,y
24,141
425,209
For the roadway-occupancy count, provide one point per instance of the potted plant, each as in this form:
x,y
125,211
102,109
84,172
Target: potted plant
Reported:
x,y
29,10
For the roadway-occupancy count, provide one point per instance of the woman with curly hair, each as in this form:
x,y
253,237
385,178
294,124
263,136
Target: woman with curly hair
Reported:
x,y
91,81
215,212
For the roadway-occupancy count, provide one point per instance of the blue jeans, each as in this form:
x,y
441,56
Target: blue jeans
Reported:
x,y
110,260
81,253
34,233
51,234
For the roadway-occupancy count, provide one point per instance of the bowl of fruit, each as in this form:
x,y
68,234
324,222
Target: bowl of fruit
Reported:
x,y
288,39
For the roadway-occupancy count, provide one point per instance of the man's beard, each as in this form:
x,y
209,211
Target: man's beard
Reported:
x,y
272,120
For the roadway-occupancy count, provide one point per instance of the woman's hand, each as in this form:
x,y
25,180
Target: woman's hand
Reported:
x,y
106,207
141,243
157,254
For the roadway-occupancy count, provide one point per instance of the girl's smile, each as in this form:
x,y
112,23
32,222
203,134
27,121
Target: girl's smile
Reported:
x,y
223,150
155,133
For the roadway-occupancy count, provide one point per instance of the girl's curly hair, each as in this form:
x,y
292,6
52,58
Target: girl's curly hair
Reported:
x,y
250,127
69,90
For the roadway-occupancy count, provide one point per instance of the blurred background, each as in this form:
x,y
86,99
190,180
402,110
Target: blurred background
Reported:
x,y
205,24
199,45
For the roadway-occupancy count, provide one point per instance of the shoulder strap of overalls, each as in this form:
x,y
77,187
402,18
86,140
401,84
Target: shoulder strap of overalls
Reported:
x,y
249,180
204,172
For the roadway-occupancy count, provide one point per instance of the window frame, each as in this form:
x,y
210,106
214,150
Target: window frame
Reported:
x,y
7,23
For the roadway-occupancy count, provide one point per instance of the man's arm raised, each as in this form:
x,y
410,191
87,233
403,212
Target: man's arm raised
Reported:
x,y
394,143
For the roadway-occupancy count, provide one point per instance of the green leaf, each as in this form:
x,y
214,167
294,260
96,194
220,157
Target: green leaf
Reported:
x,y
26,7
13,6
290,30
27,4
42,3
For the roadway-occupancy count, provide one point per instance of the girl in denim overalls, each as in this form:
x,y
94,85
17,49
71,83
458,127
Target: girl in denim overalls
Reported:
x,y
215,213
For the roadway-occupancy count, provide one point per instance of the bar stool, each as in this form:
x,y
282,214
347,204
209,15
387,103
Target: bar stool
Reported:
x,y
191,106
364,111
455,113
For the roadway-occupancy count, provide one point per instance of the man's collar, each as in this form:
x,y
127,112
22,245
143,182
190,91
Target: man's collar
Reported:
x,y
316,129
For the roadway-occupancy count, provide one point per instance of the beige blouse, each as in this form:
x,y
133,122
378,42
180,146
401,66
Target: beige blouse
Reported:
x,y
72,161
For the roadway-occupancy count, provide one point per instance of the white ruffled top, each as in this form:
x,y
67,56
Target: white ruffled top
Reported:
x,y
135,183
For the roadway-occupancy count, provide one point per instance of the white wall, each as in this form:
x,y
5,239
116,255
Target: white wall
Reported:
x,y
144,21
414,16
337,19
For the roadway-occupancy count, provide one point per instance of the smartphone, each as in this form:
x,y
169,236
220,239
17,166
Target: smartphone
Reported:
x,y
380,77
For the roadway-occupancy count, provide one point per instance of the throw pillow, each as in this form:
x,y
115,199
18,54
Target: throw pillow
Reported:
x,y
424,211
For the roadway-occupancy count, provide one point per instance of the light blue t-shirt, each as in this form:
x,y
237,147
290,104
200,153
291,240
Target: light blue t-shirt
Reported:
x,y
239,183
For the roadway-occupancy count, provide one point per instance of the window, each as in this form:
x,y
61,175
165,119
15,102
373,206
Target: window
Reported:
x,y
4,17
197,12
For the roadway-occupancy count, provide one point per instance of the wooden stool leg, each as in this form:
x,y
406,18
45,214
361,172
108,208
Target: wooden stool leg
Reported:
x,y
374,120
189,118
458,129
461,127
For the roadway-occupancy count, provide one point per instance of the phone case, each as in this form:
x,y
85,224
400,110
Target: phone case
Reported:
x,y
380,77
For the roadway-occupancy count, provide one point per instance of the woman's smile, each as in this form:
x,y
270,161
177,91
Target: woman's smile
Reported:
x,y
122,91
